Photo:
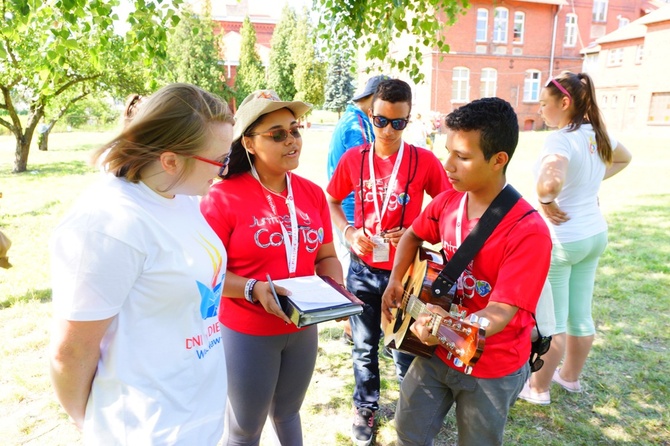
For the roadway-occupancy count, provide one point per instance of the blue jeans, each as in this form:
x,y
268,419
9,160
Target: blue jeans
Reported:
x,y
431,389
368,284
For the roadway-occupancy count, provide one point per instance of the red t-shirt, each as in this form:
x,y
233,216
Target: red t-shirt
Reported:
x,y
510,268
238,211
420,171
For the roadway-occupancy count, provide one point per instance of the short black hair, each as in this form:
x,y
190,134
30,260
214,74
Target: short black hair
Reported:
x,y
393,90
496,120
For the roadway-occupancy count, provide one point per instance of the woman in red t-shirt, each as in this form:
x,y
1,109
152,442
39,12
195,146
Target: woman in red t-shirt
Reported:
x,y
271,222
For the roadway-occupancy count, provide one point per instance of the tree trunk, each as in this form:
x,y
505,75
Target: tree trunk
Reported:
x,y
21,155
43,141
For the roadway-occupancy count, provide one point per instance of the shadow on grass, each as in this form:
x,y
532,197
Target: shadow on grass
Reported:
x,y
41,296
625,378
60,168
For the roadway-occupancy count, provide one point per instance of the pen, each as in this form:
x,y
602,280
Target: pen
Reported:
x,y
272,288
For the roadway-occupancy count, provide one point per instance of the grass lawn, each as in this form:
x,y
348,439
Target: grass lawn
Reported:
x,y
625,380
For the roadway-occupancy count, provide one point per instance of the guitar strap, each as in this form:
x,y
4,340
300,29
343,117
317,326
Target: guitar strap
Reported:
x,y
446,279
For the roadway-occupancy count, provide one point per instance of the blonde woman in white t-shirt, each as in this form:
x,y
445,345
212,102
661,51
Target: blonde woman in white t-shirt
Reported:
x,y
574,161
136,354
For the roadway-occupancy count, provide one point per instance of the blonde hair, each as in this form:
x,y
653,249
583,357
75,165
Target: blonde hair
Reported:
x,y
582,94
176,118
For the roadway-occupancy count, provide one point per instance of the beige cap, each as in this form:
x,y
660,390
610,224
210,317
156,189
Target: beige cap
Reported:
x,y
262,102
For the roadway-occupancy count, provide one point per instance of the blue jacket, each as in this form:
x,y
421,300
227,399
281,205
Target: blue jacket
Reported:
x,y
353,129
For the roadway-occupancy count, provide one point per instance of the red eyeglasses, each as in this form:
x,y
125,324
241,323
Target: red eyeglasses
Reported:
x,y
222,164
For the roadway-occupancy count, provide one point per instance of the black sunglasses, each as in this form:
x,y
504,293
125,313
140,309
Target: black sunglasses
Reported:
x,y
280,135
381,122
538,347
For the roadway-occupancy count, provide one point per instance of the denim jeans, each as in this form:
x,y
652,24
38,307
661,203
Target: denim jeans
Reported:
x,y
368,284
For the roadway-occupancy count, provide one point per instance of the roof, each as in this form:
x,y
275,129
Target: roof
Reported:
x,y
637,28
546,2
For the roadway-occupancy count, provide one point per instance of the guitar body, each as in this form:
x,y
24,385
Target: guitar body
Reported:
x,y
417,282
463,340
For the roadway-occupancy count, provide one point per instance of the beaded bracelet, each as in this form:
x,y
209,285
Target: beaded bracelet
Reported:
x,y
547,203
249,289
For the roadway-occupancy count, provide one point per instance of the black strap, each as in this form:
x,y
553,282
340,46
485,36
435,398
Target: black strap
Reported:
x,y
500,206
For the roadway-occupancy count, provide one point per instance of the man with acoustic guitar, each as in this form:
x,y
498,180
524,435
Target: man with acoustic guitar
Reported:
x,y
502,284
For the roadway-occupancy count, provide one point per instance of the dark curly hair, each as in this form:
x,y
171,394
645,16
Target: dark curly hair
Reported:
x,y
393,90
494,118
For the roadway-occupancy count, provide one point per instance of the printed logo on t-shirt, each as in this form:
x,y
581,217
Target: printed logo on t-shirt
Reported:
x,y
269,234
210,295
593,145
395,200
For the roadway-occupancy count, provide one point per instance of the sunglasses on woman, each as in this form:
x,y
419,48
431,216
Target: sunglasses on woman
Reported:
x,y
280,135
382,121
221,164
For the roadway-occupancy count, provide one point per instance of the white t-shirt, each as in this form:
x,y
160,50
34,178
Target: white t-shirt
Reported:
x,y
156,266
579,196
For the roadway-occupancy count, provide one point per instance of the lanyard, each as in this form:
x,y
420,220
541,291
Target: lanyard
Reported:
x,y
290,243
459,221
391,184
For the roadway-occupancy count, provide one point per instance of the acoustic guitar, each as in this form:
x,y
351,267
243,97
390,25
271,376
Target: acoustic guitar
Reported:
x,y
462,336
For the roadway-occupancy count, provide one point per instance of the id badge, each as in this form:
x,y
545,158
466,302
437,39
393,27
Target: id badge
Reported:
x,y
382,250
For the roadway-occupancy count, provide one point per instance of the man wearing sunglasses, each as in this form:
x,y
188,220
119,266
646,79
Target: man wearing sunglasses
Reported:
x,y
388,178
353,129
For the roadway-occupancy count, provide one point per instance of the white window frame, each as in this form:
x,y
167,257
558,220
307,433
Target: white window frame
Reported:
x,y
531,86
570,30
639,54
489,83
632,99
615,57
519,27
500,24
481,34
599,11
623,21
460,84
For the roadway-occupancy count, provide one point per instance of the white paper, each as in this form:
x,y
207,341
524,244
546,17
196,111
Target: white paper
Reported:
x,y
311,292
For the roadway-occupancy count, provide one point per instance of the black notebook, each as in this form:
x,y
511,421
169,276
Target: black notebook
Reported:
x,y
316,299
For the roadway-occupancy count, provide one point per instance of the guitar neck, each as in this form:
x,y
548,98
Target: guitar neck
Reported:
x,y
415,306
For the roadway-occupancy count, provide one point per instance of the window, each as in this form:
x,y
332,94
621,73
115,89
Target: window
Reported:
x,y
623,21
603,101
460,84
600,10
500,19
659,108
519,18
531,86
615,101
482,24
631,101
570,30
639,52
488,83
615,57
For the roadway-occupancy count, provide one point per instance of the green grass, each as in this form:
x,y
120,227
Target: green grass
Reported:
x,y
625,380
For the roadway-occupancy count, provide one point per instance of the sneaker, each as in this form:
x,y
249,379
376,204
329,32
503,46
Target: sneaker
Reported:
x,y
347,339
570,386
533,397
361,430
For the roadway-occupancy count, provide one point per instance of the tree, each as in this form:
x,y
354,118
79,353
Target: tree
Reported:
x,y
310,72
375,24
194,53
250,73
49,49
339,83
282,65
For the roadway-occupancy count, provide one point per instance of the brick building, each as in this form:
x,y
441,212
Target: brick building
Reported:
x,y
510,48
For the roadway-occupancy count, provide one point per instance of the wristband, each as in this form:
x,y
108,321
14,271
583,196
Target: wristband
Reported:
x,y
249,289
547,203
344,231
